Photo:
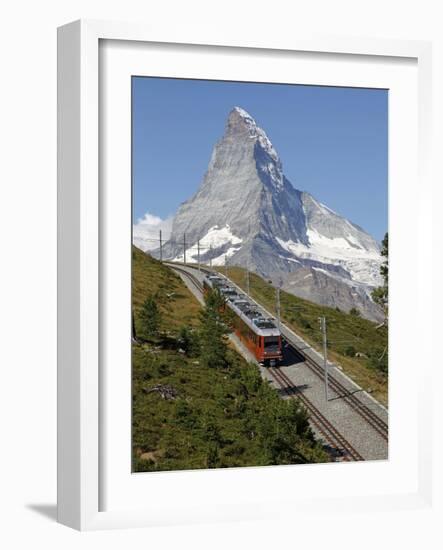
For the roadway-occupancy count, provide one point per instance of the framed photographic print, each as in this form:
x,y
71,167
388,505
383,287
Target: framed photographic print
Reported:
x,y
236,223
282,278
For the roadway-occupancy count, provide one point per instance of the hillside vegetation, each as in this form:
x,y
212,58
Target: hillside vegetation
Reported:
x,y
189,412
354,343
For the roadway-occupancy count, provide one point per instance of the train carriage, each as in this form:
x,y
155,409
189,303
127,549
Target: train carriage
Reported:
x,y
258,333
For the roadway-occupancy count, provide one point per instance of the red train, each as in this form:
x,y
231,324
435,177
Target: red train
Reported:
x,y
257,332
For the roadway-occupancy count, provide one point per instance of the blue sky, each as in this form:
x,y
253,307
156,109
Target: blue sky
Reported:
x,y
332,142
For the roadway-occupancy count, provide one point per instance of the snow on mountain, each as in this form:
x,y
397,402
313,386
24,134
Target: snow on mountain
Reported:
x,y
363,265
217,238
247,211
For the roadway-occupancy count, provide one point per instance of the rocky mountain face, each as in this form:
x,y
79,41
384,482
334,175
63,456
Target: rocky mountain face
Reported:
x,y
247,213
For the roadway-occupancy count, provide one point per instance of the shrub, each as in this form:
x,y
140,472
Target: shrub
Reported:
x,y
189,342
305,323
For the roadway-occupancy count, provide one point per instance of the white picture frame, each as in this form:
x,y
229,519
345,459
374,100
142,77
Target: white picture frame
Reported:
x,y
79,271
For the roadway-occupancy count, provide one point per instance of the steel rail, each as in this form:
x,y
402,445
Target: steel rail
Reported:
x,y
323,425
378,424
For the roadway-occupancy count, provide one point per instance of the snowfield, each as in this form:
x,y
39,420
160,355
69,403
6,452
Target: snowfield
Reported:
x,y
363,265
217,237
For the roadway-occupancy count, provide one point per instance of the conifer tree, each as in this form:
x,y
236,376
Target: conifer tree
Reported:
x,y
213,331
380,295
150,318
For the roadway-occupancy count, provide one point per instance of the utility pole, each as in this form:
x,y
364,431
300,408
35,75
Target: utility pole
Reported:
x,y
325,354
277,297
198,254
247,280
134,333
161,246
184,248
210,255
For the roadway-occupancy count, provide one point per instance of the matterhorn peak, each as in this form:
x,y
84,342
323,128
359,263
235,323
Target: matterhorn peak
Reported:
x,y
244,115
239,116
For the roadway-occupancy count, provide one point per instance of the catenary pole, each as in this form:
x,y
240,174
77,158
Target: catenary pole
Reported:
x,y
198,254
210,255
134,333
277,298
184,248
247,280
161,246
325,355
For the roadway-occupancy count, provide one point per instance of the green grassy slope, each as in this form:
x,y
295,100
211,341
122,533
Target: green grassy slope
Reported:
x,y
189,416
150,277
347,334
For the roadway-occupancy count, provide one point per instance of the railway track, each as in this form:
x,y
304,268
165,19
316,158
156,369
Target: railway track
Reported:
x,y
371,418
331,435
190,276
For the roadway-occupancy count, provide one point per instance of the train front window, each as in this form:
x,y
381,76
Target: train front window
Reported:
x,y
271,343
